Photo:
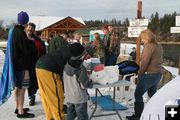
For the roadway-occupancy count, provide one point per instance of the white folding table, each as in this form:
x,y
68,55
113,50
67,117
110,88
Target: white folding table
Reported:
x,y
120,83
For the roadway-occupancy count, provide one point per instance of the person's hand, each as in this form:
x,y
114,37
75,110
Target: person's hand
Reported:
x,y
87,56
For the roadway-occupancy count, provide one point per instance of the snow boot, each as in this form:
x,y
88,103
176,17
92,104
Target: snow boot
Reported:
x,y
138,108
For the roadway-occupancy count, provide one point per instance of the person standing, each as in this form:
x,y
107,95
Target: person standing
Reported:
x,y
150,71
40,49
106,38
76,82
22,50
99,48
108,31
113,51
56,43
133,54
66,36
76,38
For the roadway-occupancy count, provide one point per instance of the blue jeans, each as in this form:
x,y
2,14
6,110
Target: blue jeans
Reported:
x,y
77,110
111,60
147,83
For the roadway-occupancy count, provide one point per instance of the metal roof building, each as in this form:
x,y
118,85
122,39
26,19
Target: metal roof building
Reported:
x,y
55,25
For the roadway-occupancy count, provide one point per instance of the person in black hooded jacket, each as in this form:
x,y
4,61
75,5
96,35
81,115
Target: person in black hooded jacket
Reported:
x,y
22,50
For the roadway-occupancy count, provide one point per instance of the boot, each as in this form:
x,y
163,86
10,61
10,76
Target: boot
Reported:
x,y
138,108
65,108
32,101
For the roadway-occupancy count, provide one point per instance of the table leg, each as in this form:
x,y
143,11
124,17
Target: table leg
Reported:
x,y
114,94
96,101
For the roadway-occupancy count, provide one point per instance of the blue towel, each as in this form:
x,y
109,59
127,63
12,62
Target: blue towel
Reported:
x,y
106,103
7,77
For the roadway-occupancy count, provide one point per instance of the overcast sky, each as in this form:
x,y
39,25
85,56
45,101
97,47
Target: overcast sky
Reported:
x,y
87,9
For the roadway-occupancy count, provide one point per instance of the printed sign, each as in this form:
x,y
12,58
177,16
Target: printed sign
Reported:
x,y
135,31
138,22
175,30
177,20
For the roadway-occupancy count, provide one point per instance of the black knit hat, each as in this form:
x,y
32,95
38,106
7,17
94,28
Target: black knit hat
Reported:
x,y
77,51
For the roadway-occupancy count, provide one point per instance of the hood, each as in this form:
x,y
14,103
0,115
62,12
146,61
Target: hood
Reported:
x,y
71,70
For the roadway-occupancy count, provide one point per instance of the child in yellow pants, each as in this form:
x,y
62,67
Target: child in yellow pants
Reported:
x,y
49,69
52,95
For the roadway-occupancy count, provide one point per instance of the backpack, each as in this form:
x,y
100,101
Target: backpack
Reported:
x,y
128,67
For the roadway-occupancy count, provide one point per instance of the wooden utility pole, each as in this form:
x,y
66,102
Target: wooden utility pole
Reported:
x,y
179,63
138,41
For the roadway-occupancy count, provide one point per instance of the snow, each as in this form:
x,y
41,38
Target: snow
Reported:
x,y
42,22
167,95
125,97
7,108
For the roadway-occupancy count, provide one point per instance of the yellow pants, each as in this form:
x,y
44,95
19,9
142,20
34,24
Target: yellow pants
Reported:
x,y
52,95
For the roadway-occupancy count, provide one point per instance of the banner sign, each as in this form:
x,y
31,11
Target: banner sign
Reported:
x,y
175,30
177,20
135,31
138,22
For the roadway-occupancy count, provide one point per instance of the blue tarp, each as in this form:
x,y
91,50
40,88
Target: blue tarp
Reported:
x,y
106,103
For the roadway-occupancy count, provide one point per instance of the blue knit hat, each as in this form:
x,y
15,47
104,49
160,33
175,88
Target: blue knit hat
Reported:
x,y
22,18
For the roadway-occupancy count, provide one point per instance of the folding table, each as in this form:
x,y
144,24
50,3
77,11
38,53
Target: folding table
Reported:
x,y
120,83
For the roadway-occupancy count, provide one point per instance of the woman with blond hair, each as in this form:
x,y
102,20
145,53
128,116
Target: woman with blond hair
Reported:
x,y
99,48
149,73
113,50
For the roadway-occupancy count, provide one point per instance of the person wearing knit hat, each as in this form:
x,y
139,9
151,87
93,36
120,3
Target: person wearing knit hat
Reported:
x,y
76,82
23,50
77,51
19,52
49,70
22,18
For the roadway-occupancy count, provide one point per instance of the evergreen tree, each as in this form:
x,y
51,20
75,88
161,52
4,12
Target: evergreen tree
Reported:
x,y
154,25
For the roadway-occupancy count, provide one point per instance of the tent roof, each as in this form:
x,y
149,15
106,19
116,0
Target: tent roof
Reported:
x,y
42,22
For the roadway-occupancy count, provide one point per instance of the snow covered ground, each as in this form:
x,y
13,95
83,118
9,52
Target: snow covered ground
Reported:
x,y
7,109
126,98
167,95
